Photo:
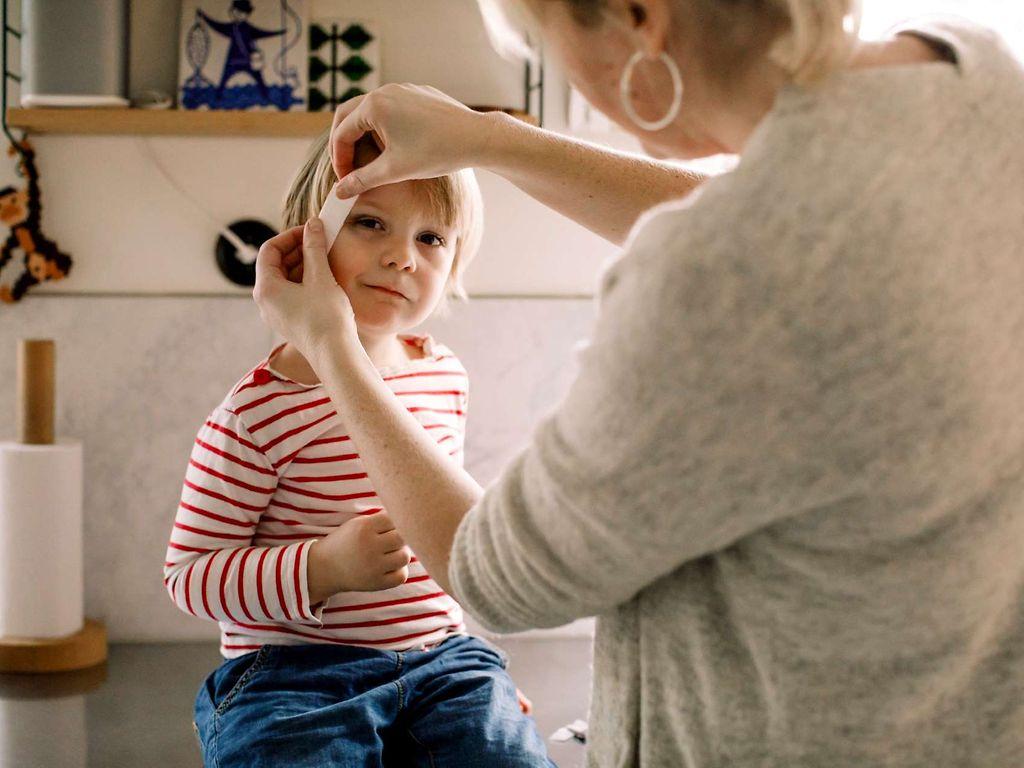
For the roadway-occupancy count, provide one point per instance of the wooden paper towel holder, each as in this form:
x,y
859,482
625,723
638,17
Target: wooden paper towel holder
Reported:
x,y
84,648
88,646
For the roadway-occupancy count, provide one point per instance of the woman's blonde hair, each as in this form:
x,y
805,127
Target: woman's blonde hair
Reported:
x,y
820,37
455,197
808,39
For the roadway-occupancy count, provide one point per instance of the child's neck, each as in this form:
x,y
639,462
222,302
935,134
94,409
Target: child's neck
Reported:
x,y
384,350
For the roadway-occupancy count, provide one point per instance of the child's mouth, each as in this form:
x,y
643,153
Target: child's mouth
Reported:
x,y
386,290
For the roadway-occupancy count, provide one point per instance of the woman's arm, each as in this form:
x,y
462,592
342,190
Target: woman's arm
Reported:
x,y
425,492
599,188
425,133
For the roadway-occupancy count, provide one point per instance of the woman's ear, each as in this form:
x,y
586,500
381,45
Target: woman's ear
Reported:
x,y
650,20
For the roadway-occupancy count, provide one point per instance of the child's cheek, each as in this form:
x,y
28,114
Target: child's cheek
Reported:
x,y
337,264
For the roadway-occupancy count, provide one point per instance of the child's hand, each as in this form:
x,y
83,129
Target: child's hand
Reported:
x,y
365,554
524,703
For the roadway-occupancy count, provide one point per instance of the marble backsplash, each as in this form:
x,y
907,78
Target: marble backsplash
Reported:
x,y
137,376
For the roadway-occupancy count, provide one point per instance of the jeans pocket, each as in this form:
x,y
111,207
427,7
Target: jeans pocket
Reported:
x,y
199,740
257,662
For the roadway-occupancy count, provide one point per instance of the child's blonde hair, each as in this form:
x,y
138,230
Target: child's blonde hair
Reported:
x,y
456,197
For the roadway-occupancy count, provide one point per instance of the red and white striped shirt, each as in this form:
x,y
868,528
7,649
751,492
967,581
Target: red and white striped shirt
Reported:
x,y
270,471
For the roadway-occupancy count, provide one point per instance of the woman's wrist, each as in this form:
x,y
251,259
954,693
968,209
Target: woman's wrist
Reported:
x,y
328,350
493,129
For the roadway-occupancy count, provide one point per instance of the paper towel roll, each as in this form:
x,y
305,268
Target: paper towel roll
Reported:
x,y
41,592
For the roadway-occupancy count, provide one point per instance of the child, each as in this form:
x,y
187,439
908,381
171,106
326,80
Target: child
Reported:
x,y
383,672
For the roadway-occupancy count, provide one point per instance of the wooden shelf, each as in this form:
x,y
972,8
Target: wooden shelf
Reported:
x,y
169,122
179,122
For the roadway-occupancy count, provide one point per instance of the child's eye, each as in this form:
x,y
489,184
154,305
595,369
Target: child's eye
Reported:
x,y
368,223
425,238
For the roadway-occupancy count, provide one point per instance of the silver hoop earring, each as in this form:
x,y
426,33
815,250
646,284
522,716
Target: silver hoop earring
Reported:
x,y
677,92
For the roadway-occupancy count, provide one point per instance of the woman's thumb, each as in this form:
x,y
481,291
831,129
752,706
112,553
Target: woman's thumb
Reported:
x,y
351,185
371,175
314,249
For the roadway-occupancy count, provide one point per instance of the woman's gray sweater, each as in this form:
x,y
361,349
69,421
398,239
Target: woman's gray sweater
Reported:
x,y
789,478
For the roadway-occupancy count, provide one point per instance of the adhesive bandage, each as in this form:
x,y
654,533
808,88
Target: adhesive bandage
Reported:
x,y
333,216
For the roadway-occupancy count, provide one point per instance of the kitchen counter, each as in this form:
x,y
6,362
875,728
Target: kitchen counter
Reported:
x,y
136,709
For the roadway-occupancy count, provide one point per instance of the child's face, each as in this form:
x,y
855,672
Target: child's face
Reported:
x,y
391,239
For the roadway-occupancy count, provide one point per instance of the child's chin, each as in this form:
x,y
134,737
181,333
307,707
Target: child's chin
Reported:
x,y
380,320
384,318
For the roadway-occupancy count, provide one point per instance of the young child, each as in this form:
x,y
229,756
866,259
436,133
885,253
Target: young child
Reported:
x,y
383,672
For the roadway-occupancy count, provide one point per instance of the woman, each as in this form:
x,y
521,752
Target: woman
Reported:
x,y
788,477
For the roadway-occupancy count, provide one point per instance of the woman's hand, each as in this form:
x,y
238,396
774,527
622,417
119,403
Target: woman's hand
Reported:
x,y
422,133
307,311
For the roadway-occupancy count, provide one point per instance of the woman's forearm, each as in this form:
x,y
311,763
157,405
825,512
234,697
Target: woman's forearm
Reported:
x,y
602,189
425,493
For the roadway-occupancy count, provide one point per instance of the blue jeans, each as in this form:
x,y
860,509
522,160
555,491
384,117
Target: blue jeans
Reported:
x,y
453,706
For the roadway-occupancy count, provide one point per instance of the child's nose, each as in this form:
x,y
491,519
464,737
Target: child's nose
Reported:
x,y
400,257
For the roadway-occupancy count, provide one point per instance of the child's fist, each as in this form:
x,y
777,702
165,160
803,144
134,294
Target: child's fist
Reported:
x,y
365,554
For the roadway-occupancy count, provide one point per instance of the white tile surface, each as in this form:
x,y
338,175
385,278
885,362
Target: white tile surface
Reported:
x,y
137,376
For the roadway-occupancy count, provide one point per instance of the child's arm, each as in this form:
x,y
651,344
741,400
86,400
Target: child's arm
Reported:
x,y
211,569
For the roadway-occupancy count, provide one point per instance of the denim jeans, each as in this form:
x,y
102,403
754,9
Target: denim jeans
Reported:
x,y
453,706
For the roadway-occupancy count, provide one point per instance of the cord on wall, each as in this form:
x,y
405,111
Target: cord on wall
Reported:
x,y
243,248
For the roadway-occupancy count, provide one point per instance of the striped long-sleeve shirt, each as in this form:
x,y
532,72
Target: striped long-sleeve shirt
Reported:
x,y
271,470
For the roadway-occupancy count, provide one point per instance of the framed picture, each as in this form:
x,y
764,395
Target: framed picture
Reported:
x,y
344,61
243,54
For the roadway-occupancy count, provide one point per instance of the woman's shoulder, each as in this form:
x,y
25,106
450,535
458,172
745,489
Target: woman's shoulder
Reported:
x,y
974,46
700,227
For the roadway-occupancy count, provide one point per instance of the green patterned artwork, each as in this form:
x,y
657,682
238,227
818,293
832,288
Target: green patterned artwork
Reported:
x,y
344,61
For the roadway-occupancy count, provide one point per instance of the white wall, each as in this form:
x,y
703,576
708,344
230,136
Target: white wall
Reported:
x,y
139,369
130,231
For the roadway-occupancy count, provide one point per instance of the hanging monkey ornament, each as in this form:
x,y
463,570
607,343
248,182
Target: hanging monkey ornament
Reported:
x,y
20,209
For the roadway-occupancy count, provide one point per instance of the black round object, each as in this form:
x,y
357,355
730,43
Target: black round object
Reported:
x,y
234,267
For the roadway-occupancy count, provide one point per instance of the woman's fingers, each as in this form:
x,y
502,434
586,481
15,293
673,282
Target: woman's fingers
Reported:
x,y
352,119
314,248
346,139
423,132
375,174
349,123
270,259
342,111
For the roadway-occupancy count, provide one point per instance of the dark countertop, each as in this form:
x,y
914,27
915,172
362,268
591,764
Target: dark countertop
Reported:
x,y
136,710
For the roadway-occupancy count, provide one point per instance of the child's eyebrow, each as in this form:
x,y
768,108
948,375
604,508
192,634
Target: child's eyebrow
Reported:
x,y
370,207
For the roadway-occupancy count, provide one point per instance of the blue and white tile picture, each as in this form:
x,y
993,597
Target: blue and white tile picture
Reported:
x,y
243,54
344,61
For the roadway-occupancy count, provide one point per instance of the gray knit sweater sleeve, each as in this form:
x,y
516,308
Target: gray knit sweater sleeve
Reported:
x,y
698,416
